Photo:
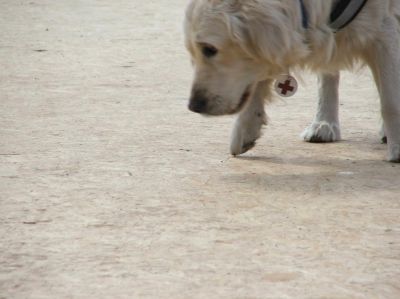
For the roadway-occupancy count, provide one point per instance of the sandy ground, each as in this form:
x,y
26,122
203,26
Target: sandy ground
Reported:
x,y
110,188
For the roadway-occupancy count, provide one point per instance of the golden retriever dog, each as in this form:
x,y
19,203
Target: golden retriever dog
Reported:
x,y
239,47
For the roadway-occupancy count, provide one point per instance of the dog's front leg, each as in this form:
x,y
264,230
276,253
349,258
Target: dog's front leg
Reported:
x,y
248,125
325,127
384,59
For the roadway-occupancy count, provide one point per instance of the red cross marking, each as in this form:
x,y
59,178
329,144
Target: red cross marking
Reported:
x,y
286,87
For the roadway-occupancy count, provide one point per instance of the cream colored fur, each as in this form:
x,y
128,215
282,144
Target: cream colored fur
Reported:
x,y
257,40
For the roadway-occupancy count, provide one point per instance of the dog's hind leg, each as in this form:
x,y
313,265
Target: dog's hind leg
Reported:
x,y
383,56
325,127
248,125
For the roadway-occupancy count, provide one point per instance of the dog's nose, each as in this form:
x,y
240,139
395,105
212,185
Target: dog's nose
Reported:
x,y
198,106
198,103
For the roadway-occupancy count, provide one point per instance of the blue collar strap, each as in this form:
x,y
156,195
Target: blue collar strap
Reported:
x,y
344,12
304,15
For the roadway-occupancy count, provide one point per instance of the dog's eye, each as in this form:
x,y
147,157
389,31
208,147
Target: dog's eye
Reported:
x,y
209,51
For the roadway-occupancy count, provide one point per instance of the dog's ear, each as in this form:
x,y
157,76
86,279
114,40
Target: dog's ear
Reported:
x,y
266,32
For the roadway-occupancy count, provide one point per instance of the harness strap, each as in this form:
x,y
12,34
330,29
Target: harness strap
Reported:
x,y
344,12
304,14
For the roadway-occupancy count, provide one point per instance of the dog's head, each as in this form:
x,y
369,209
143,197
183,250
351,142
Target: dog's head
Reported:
x,y
233,45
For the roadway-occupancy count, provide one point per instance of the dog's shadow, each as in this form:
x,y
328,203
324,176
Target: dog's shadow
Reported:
x,y
305,174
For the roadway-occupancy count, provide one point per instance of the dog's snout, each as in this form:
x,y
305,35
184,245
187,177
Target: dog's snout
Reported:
x,y
198,105
198,102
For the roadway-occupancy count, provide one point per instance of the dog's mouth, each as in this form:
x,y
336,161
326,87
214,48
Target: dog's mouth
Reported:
x,y
243,99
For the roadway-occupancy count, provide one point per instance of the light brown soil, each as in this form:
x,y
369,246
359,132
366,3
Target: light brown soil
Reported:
x,y
110,188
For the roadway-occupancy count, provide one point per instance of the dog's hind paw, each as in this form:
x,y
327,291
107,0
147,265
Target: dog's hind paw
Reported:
x,y
321,132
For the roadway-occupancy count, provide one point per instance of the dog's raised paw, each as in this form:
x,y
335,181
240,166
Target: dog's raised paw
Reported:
x,y
245,133
321,132
240,146
243,141
394,153
248,146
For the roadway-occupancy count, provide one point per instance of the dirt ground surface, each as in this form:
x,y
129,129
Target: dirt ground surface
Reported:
x,y
111,188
